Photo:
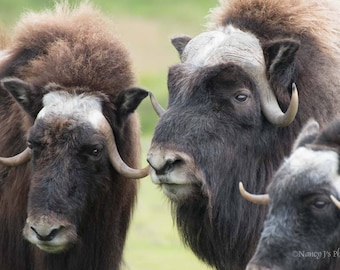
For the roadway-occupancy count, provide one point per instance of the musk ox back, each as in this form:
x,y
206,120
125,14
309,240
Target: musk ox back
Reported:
x,y
301,230
66,110
232,117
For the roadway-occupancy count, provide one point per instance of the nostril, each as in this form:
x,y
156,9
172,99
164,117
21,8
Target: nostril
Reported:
x,y
45,234
170,164
165,164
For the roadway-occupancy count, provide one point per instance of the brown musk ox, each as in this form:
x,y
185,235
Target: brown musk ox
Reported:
x,y
69,142
237,100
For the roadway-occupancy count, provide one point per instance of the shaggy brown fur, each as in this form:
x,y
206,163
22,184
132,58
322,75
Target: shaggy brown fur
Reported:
x,y
75,49
316,19
315,24
250,154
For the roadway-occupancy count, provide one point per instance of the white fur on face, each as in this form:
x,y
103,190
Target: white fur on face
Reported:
x,y
63,104
324,163
226,44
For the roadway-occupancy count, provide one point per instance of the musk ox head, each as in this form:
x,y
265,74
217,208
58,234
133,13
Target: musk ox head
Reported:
x,y
302,226
218,95
74,157
220,126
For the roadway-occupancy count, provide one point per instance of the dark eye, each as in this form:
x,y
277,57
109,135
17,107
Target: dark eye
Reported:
x,y
241,97
320,204
95,152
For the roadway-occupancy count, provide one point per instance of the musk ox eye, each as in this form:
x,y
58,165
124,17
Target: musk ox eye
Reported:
x,y
91,151
95,152
241,97
320,204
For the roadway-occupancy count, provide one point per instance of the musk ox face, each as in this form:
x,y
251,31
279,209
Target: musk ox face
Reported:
x,y
72,151
70,171
190,141
217,96
302,226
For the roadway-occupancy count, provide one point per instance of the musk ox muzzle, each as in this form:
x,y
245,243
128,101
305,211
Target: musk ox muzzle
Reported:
x,y
50,233
175,172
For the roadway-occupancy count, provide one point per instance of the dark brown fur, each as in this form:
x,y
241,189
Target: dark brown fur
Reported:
x,y
314,23
74,49
229,146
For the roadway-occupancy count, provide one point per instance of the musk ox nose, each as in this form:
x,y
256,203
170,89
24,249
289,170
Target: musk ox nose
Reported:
x,y
164,162
50,233
45,233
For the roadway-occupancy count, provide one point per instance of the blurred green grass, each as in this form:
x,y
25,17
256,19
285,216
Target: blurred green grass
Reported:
x,y
145,27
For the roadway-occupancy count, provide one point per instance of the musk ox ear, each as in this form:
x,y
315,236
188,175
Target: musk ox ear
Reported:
x,y
329,137
179,43
307,135
280,55
128,101
19,89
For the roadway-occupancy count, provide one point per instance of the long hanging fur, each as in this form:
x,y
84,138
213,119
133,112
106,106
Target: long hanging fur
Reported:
x,y
75,48
230,239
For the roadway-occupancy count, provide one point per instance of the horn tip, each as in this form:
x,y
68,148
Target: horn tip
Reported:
x,y
295,91
294,88
335,201
242,190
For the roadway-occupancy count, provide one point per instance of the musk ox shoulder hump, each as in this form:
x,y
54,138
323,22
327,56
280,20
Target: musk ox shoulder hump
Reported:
x,y
270,19
73,47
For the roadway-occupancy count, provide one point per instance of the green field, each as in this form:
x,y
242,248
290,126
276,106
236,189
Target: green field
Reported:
x,y
145,26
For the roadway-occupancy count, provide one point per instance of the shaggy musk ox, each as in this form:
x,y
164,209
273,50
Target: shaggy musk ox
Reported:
x,y
302,228
64,98
231,115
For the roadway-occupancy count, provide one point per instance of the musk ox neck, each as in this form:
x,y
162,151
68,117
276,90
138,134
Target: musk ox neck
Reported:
x,y
225,236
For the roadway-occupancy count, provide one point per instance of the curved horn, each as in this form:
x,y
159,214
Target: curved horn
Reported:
x,y
115,158
257,199
335,201
156,106
17,160
271,108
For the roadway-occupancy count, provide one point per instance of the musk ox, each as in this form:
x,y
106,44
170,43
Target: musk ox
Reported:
x,y
232,116
65,107
302,228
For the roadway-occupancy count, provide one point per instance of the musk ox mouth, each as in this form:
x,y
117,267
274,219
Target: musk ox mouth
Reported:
x,y
178,192
53,248
175,184
50,234
178,185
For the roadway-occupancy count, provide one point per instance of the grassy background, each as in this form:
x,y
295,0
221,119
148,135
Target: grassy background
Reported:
x,y
145,26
